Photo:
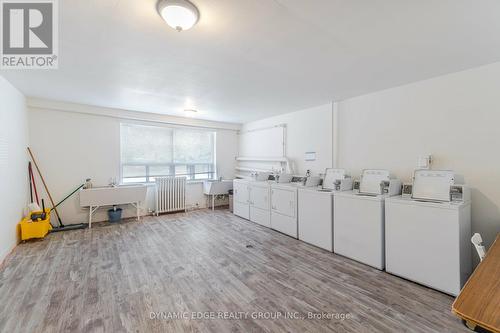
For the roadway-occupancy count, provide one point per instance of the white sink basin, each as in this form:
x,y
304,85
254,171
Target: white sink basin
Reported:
x,y
112,195
217,187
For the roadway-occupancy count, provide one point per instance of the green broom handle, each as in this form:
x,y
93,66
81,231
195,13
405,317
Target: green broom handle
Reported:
x,y
60,202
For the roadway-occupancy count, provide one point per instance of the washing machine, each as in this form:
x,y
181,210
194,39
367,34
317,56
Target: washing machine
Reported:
x,y
315,213
428,232
358,229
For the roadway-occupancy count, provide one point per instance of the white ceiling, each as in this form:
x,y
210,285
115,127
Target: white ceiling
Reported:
x,y
250,59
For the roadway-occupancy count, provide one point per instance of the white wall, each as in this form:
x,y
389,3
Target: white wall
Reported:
x,y
13,164
308,130
456,118
74,146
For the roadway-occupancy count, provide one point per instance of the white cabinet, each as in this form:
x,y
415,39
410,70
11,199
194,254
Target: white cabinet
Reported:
x,y
429,243
358,228
260,216
284,209
315,216
241,202
284,201
259,204
259,196
251,201
241,210
240,191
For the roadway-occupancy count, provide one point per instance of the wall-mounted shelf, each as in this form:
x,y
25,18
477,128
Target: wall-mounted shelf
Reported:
x,y
252,164
253,169
263,150
239,176
262,159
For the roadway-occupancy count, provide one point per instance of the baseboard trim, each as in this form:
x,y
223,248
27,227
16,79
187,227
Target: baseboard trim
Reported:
x,y
4,259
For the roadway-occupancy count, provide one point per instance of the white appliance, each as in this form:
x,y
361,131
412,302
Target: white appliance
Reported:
x,y
284,206
260,203
358,229
428,233
251,201
315,213
241,198
284,178
337,180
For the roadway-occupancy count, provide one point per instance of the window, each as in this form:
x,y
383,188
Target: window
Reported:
x,y
148,152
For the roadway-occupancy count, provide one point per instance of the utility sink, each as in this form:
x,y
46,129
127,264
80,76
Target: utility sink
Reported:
x,y
112,195
217,187
96,197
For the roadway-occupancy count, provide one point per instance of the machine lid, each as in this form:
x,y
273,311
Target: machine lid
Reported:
x,y
284,178
359,196
297,179
312,181
331,176
432,184
371,180
426,203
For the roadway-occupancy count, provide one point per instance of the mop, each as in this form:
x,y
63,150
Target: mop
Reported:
x,y
61,226
33,206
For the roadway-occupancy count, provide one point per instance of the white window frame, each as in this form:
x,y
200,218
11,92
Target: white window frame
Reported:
x,y
191,176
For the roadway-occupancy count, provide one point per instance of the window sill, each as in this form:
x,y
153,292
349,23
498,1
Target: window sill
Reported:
x,y
198,181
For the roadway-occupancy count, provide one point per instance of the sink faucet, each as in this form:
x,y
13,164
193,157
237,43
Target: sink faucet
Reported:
x,y
112,182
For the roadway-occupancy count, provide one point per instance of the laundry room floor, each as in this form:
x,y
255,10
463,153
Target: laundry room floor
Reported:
x,y
185,272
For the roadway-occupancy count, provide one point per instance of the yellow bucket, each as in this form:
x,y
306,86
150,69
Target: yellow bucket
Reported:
x,y
37,229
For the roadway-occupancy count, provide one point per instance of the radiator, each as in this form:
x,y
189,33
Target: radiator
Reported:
x,y
170,194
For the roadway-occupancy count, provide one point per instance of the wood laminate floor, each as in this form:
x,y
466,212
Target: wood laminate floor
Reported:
x,y
137,276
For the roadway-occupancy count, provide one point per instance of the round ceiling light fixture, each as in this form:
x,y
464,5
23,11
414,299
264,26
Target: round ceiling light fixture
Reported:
x,y
179,14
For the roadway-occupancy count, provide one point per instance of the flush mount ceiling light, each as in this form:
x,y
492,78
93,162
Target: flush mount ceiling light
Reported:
x,y
179,14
